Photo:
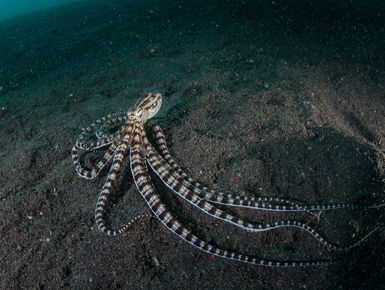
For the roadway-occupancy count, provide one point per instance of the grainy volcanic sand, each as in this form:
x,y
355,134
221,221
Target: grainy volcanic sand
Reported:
x,y
273,98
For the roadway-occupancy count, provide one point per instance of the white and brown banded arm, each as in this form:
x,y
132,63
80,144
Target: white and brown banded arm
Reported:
x,y
228,199
147,190
101,204
171,178
95,170
96,136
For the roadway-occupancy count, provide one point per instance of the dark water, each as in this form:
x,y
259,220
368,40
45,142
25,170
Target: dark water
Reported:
x,y
12,8
281,99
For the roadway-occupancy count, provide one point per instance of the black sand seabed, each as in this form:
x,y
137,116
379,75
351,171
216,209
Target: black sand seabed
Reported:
x,y
274,98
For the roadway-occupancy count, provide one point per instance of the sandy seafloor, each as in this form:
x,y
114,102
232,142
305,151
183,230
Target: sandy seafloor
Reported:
x,y
267,98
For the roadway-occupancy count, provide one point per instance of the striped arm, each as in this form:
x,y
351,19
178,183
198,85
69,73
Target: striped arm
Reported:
x,y
146,188
107,188
85,142
172,180
102,141
93,172
261,203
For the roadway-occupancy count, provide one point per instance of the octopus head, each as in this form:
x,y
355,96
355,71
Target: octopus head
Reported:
x,y
147,107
